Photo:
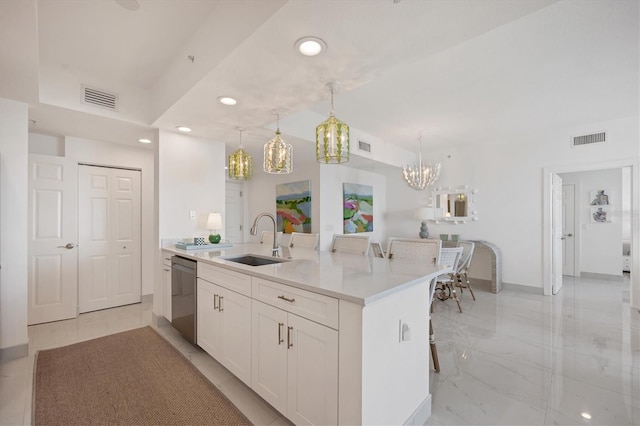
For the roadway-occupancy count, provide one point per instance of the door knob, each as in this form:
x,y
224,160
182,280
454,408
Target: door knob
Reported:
x,y
568,235
69,246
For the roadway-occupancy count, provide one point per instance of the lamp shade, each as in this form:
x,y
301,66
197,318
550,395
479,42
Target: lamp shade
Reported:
x,y
240,165
423,213
277,156
332,138
332,141
214,221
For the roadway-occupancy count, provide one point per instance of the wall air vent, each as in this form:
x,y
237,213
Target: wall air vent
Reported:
x,y
100,98
363,146
589,139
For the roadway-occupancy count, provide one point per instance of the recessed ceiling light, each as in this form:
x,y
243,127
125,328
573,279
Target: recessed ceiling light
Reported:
x,y
184,129
586,415
144,140
226,100
310,46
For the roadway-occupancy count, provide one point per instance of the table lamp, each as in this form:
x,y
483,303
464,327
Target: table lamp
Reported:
x,y
214,222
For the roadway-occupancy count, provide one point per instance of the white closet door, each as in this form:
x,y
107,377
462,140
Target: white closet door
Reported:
x,y
109,230
53,271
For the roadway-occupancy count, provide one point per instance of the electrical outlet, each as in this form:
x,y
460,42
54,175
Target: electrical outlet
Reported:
x,y
192,214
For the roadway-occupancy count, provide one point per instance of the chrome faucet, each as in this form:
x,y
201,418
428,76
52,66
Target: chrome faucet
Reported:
x,y
254,231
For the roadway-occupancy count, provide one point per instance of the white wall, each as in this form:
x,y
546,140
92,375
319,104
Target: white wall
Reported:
x,y
191,178
260,190
326,194
13,223
626,203
46,145
600,244
508,176
331,201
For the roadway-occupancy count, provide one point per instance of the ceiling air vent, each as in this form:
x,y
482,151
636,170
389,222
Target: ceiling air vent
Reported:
x,y
589,139
99,98
363,146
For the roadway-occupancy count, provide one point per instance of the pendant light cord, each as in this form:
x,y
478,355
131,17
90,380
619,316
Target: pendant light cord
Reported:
x,y
332,113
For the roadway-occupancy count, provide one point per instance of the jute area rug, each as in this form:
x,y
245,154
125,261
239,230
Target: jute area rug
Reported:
x,y
130,378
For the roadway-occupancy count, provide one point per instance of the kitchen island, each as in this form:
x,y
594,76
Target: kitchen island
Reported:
x,y
325,338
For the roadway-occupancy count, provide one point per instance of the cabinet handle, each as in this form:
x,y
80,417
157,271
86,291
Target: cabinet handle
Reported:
x,y
289,341
220,303
215,299
280,325
287,299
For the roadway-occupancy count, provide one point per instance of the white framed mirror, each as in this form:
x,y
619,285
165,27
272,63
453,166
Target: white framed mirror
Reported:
x,y
454,205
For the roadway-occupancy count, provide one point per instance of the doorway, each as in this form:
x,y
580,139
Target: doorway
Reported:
x,y
548,173
109,223
234,209
569,239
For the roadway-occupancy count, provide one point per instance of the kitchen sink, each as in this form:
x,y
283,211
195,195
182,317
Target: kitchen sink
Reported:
x,y
252,260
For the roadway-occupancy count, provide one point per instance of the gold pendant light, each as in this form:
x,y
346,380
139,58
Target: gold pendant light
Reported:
x,y
278,157
240,163
332,138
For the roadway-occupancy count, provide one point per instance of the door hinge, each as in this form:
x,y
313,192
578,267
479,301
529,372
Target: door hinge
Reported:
x,y
241,193
241,227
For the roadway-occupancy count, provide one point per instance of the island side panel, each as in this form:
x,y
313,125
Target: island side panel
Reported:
x,y
350,364
395,372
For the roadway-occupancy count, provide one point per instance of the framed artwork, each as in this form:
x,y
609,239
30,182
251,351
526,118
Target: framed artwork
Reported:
x,y
599,197
357,208
293,207
601,214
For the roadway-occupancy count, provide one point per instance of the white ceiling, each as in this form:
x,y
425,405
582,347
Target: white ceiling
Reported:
x,y
459,71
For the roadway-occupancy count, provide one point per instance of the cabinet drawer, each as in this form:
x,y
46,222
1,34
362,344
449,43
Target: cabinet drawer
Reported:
x,y
232,280
316,307
166,259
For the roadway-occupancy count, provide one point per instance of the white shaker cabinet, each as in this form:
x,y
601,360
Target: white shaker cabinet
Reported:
x,y
224,321
295,360
166,286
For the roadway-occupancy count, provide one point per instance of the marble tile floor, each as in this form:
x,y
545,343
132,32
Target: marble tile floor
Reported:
x,y
520,358
515,358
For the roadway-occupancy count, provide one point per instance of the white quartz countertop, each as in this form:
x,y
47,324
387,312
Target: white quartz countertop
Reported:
x,y
353,278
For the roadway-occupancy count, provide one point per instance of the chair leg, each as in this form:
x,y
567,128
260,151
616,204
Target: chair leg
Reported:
x,y
452,287
469,286
459,284
434,350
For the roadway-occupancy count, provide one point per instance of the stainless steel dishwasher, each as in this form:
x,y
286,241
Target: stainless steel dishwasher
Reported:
x,y
183,297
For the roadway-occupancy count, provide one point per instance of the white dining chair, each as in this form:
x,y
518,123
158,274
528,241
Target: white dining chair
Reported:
x,y
420,249
463,266
445,283
432,336
303,240
355,244
376,250
414,248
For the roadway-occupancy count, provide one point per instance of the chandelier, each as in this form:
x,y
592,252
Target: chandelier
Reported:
x,y
420,176
240,163
332,138
278,154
